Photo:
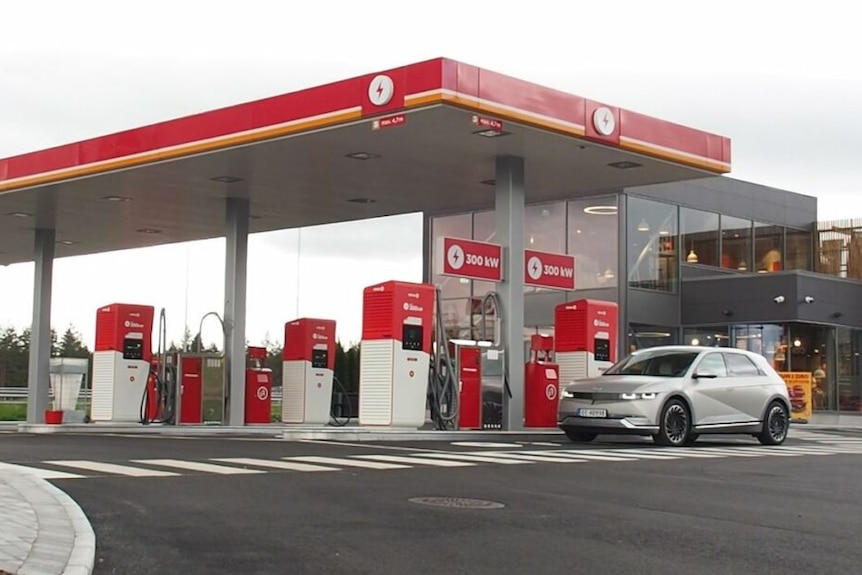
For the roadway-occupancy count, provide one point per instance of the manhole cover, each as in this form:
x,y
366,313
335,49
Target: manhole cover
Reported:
x,y
457,502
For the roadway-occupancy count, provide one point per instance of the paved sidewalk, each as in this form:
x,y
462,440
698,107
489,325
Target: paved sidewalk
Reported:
x,y
42,531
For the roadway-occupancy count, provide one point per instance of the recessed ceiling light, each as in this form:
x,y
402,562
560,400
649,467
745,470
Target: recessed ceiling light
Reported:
x,y
20,215
148,231
254,217
491,133
116,198
491,182
67,242
226,179
601,210
361,200
625,165
363,156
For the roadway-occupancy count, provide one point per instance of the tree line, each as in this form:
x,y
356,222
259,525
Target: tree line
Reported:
x,y
15,355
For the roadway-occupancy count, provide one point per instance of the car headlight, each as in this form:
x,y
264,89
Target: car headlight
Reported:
x,y
567,394
631,396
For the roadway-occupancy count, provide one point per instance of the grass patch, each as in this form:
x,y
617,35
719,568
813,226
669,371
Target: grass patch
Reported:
x,y
13,411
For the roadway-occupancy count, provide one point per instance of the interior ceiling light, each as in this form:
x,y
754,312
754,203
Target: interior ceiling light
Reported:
x,y
226,179
20,215
361,200
67,242
148,231
663,231
601,210
116,198
491,133
625,165
254,217
363,156
643,226
691,257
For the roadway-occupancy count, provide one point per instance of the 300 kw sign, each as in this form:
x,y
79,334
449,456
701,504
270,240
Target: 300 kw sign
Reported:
x,y
549,270
470,259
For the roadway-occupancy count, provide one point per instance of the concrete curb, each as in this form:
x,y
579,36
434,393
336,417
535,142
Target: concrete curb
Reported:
x,y
64,542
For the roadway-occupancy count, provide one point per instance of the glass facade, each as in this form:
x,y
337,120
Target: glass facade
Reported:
x,y
651,230
699,236
735,243
768,247
593,239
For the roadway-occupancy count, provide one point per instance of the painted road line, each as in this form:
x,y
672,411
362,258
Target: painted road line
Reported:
x,y
112,468
729,451
583,454
416,460
767,451
41,473
641,453
534,458
273,464
344,462
475,458
693,452
198,466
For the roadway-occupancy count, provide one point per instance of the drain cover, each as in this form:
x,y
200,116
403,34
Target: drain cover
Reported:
x,y
457,502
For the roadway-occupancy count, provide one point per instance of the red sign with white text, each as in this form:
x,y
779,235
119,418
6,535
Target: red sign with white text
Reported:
x,y
470,259
389,122
548,270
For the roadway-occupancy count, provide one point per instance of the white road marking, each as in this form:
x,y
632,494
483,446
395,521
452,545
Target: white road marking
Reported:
x,y
535,458
273,464
198,466
112,468
41,473
416,460
344,462
474,458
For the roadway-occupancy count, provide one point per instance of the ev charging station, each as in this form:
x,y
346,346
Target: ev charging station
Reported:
x,y
121,362
481,385
585,338
308,371
541,384
395,354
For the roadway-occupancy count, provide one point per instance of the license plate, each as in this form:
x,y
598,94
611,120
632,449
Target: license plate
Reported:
x,y
585,412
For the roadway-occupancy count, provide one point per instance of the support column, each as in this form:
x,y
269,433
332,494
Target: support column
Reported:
x,y
38,376
427,250
235,286
509,210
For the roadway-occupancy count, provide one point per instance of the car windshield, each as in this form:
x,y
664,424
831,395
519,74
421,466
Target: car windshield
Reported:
x,y
659,363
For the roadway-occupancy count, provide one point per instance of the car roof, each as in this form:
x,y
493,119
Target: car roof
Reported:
x,y
699,349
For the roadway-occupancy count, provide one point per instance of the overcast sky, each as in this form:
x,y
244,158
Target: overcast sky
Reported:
x,y
782,80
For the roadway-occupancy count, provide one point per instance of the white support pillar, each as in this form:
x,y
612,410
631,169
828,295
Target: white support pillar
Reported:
x,y
427,250
235,286
509,209
38,376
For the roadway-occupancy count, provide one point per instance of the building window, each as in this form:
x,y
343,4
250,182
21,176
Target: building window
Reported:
x,y
798,248
768,247
848,369
699,237
593,230
458,226
545,231
484,230
643,336
767,340
736,243
706,336
651,229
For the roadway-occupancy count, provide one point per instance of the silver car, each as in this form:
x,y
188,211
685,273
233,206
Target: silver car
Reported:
x,y
676,393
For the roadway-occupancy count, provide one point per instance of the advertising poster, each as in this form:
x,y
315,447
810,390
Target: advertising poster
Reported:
x,y
799,388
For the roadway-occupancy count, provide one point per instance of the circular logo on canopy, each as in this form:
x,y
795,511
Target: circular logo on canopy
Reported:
x,y
262,393
551,391
604,121
380,90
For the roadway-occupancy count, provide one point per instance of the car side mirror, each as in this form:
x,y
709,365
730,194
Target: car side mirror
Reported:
x,y
705,375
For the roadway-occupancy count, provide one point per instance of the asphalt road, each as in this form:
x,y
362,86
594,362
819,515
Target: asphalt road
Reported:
x,y
719,509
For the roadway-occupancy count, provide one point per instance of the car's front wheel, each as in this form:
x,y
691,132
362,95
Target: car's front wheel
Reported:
x,y
675,424
776,424
580,436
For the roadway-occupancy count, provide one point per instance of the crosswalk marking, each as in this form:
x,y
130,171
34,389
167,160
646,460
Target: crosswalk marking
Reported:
x,y
113,468
544,458
417,460
474,458
41,473
644,453
575,454
273,464
345,462
692,452
197,466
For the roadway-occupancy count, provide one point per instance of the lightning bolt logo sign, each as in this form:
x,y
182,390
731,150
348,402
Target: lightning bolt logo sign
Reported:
x,y
534,268
455,255
604,121
381,90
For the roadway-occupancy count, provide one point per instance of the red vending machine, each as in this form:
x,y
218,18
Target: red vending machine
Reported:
x,y
307,371
585,332
541,384
258,387
395,353
121,362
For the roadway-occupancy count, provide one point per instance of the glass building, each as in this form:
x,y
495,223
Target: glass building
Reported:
x,y
715,261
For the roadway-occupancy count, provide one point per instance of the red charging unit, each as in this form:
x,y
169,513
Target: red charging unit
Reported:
x,y
258,387
469,362
541,384
191,390
308,364
395,353
585,333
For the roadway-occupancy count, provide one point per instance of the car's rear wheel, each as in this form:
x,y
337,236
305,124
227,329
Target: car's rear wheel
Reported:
x,y
675,424
776,424
580,436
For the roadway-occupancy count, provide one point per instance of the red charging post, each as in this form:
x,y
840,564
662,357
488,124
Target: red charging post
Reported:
x,y
258,387
308,364
586,338
541,384
470,381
